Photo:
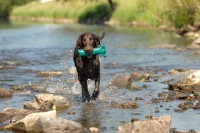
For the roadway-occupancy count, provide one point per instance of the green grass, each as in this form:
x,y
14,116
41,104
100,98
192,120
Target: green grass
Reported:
x,y
154,12
71,9
140,11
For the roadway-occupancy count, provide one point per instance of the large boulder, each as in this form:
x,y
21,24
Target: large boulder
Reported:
x,y
45,122
46,102
155,125
5,92
188,81
120,81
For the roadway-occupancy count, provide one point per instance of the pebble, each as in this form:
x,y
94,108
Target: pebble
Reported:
x,y
178,110
149,116
72,70
71,112
134,119
167,109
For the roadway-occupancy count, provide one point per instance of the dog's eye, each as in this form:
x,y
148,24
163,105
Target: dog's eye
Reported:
x,y
91,38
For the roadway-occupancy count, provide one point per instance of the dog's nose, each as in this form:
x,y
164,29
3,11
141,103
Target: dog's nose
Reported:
x,y
88,51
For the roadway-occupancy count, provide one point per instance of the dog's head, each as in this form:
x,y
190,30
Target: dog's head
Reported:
x,y
89,41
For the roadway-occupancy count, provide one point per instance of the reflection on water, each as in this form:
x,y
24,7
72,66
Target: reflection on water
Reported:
x,y
89,116
27,48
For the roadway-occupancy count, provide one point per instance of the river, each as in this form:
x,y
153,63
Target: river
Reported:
x,y
33,47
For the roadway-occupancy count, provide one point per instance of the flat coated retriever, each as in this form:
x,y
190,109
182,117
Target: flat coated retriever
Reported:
x,y
88,67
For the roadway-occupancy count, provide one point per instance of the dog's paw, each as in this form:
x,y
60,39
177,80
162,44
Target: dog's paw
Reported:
x,y
95,95
86,97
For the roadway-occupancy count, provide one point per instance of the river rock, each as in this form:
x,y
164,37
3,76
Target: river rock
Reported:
x,y
180,49
187,81
5,93
11,63
120,81
176,71
110,65
94,130
155,125
197,52
128,105
197,41
45,122
186,105
36,87
22,93
72,70
139,76
193,46
10,115
46,101
174,95
196,105
16,87
49,73
189,34
61,125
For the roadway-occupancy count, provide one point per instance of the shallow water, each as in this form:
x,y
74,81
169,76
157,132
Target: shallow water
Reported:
x,y
32,47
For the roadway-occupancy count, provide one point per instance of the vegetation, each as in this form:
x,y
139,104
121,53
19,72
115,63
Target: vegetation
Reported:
x,y
60,9
7,5
171,12
183,12
154,12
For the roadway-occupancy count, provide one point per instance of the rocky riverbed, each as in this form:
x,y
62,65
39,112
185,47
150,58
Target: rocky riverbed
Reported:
x,y
152,77
182,87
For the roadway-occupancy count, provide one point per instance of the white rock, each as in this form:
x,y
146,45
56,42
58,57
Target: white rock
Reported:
x,y
72,70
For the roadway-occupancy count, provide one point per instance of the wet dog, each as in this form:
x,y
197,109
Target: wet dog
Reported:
x,y
88,67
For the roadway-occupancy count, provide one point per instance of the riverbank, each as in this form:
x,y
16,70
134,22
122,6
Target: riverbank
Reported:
x,y
138,12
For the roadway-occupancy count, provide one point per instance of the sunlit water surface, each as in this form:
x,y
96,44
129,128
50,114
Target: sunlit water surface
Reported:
x,y
34,47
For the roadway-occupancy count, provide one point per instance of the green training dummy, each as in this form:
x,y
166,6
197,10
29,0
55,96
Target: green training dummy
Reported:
x,y
98,50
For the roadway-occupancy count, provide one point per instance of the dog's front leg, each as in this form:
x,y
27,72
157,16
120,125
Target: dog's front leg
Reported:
x,y
95,93
85,92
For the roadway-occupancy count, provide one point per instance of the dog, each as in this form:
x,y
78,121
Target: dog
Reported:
x,y
88,67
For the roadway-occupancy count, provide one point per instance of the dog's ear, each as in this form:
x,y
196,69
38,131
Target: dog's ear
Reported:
x,y
98,39
78,45
79,41
102,36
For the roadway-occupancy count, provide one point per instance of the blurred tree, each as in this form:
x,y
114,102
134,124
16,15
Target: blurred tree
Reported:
x,y
5,8
109,1
111,4
7,5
